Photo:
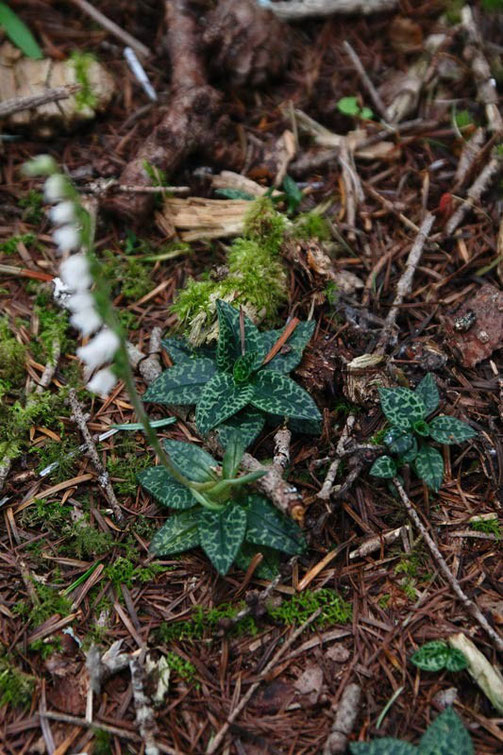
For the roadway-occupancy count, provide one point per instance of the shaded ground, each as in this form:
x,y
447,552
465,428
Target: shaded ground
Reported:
x,y
57,527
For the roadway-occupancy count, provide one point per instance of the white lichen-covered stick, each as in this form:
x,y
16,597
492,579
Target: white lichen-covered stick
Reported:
x,y
346,714
145,717
468,603
291,11
328,484
405,282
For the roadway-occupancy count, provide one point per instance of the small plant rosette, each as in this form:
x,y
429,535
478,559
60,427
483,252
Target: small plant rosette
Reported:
x,y
407,412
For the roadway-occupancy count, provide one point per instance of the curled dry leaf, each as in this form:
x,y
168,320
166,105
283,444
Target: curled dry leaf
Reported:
x,y
364,375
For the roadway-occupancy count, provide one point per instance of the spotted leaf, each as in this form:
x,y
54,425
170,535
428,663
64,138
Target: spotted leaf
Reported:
x,y
428,393
278,394
269,566
290,354
450,430
159,483
248,422
429,466
400,442
179,533
383,467
191,460
221,534
445,736
384,746
267,526
402,406
182,384
221,399
229,336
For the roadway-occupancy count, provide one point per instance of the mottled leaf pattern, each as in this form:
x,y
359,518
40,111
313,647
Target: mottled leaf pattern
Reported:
x,y
268,567
221,534
437,655
221,399
384,746
234,451
450,430
248,422
399,441
192,461
446,736
307,426
401,406
178,350
243,367
179,533
229,338
290,355
171,386
267,526
429,466
383,467
278,394
456,661
428,393
159,483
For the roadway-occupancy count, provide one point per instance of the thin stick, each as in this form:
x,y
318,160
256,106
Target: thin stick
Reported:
x,y
328,484
17,104
372,91
145,717
112,27
298,9
405,282
216,742
468,603
103,476
478,187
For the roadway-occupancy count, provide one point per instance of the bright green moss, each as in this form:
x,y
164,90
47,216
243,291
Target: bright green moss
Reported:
x,y
49,603
12,357
297,609
205,623
126,275
185,670
85,97
312,225
16,687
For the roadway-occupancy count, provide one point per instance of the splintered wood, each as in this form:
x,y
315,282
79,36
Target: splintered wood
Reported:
x,y
196,218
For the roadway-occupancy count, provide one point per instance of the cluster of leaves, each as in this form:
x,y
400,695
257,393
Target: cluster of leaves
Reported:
x,y
438,655
351,107
445,736
226,521
407,411
235,385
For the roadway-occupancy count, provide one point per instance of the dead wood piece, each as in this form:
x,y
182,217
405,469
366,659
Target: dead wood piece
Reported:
x,y
469,154
189,122
247,41
197,218
345,718
282,448
227,179
103,476
283,495
298,9
372,91
468,603
487,676
150,367
405,282
475,330
375,543
145,717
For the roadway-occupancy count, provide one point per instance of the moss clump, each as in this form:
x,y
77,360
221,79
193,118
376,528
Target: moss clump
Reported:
x,y
12,356
125,275
255,278
49,603
16,687
10,246
46,648
123,572
296,610
205,623
85,97
126,465
185,670
32,205
61,456
310,225
489,526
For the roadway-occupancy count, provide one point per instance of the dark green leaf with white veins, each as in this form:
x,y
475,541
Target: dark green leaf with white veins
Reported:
x,y
248,422
401,406
192,461
290,355
432,656
429,466
278,394
159,483
229,336
179,533
244,367
267,526
221,534
384,746
400,441
233,454
221,399
450,430
456,661
182,384
427,391
446,736
178,350
384,467
268,567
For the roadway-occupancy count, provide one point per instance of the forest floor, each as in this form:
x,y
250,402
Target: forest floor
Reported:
x,y
70,576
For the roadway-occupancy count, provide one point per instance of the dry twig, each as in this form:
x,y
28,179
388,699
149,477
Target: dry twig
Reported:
x,y
479,186
112,27
298,9
17,104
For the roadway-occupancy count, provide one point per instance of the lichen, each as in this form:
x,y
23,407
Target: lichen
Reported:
x,y
254,278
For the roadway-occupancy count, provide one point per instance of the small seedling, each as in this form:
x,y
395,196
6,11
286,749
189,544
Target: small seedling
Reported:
x,y
438,655
406,411
230,523
236,385
445,736
350,106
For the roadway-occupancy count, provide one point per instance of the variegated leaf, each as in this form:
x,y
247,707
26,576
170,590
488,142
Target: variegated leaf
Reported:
x,y
221,399
267,526
248,422
221,534
192,461
278,394
182,384
402,406
159,483
290,354
179,533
